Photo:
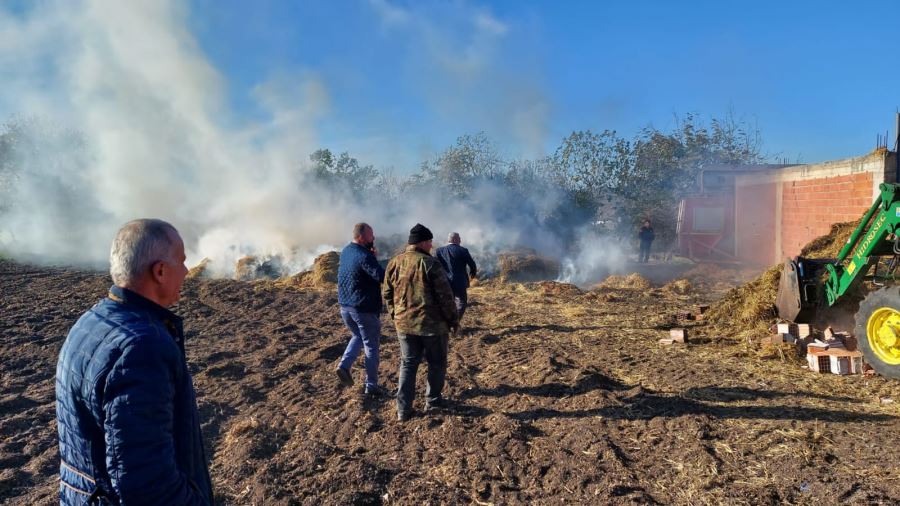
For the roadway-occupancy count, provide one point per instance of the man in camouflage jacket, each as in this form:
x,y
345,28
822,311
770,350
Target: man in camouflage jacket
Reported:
x,y
420,301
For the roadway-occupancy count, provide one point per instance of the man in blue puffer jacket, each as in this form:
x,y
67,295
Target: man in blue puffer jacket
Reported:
x,y
129,431
359,294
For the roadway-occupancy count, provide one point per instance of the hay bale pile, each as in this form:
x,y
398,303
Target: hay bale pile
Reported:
x,y
245,268
752,306
198,270
521,267
633,281
323,274
325,269
249,268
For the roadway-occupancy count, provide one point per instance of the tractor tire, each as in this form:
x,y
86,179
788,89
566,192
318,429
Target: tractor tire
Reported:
x,y
877,330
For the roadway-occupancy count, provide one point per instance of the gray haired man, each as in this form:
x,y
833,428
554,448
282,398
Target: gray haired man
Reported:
x,y
126,412
455,259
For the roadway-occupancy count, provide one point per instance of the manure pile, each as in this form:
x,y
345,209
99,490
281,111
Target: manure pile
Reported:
x,y
633,281
751,306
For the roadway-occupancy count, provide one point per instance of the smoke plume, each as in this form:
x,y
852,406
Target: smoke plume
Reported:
x,y
135,122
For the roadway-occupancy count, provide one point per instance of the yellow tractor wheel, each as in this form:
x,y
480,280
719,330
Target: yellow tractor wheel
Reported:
x,y
878,331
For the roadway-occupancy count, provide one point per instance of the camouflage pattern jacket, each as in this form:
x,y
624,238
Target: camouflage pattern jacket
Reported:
x,y
418,294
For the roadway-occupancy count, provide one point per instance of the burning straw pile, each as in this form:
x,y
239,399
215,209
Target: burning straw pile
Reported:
x,y
526,267
250,268
323,274
752,306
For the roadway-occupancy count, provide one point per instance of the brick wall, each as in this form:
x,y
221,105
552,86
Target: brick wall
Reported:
x,y
810,206
807,200
755,215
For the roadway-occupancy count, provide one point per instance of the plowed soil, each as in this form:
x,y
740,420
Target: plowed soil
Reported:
x,y
558,395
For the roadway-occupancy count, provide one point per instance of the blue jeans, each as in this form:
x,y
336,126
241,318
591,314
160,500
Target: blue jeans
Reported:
x,y
366,333
412,350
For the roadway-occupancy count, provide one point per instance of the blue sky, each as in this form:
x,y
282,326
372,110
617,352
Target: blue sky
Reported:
x,y
394,82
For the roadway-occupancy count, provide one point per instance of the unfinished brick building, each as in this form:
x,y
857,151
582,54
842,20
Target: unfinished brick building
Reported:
x,y
761,215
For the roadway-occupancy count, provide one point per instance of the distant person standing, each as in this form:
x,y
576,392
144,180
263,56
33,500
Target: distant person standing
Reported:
x,y
359,294
126,411
646,236
420,301
460,266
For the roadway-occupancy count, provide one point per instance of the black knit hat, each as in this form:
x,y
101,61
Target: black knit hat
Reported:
x,y
418,234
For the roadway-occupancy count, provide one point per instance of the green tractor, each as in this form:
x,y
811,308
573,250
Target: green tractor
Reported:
x,y
808,284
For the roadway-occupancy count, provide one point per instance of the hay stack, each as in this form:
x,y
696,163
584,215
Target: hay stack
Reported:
x,y
633,281
250,267
322,275
245,268
325,269
198,270
518,267
679,287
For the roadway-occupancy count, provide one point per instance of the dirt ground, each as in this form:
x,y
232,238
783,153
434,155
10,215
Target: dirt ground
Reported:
x,y
558,396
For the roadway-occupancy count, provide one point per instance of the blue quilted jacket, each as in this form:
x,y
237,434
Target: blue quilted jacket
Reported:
x,y
359,279
129,431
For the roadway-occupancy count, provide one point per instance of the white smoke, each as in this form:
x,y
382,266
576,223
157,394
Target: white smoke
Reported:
x,y
594,257
159,140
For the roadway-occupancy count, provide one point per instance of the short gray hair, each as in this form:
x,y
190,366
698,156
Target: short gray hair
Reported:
x,y
359,229
138,245
453,237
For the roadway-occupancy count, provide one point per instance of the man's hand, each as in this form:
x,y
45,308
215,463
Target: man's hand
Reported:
x,y
374,250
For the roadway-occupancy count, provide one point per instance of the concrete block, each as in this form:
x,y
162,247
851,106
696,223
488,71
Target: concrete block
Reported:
x,y
678,335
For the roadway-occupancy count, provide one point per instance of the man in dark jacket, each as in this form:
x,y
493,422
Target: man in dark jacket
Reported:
x,y
359,294
455,260
129,431
645,235
420,301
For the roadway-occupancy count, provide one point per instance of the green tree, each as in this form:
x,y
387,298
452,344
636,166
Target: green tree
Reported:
x,y
461,166
343,172
667,165
592,167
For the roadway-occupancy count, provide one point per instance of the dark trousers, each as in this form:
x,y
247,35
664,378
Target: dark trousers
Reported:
x,y
462,300
412,350
644,253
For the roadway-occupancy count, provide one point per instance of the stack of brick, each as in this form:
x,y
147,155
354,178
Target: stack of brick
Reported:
x,y
785,333
834,360
835,353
